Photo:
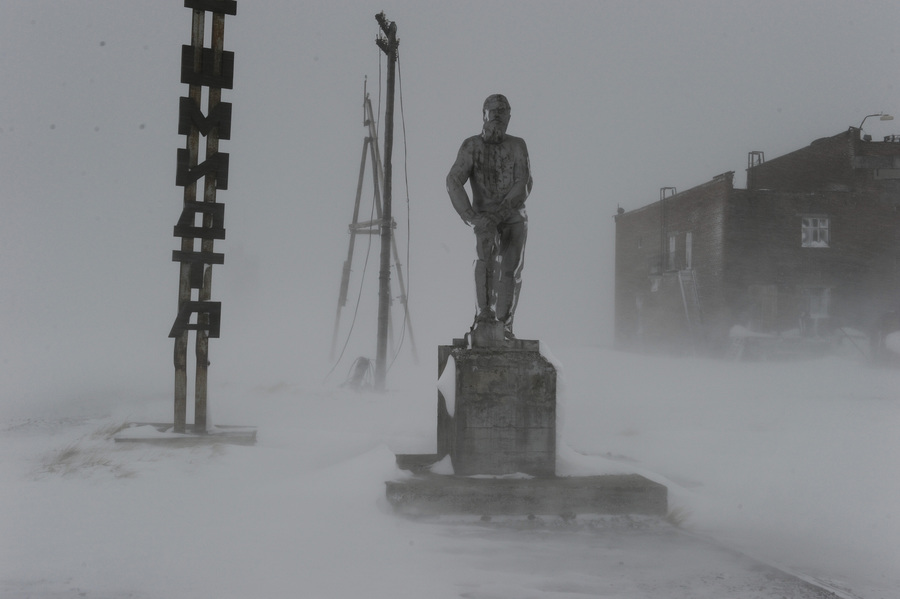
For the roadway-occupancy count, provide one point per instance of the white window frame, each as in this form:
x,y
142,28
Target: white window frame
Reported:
x,y
815,231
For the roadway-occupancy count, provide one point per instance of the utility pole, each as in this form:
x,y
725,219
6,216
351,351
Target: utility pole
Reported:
x,y
388,45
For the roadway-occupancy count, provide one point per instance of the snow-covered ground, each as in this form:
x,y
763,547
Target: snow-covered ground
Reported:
x,y
794,463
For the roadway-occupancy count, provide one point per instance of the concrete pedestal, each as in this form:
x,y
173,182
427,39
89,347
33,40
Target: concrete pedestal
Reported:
x,y
497,417
500,416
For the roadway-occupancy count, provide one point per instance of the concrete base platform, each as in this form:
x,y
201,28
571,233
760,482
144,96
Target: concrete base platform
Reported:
x,y
433,494
162,434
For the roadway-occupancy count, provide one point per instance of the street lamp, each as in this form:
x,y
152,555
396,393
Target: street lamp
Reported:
x,y
882,117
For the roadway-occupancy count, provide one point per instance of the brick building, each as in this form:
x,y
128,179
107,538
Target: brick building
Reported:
x,y
810,249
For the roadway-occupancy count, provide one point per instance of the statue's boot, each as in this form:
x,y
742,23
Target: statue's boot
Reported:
x,y
507,299
485,297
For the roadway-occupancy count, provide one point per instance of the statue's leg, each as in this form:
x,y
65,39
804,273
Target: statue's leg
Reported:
x,y
484,275
511,253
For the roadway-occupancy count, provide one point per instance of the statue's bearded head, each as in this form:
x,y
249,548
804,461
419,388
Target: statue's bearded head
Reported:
x,y
496,118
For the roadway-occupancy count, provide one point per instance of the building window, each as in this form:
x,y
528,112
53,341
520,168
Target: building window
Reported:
x,y
814,318
815,232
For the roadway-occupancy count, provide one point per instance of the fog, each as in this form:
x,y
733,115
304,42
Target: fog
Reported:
x,y
615,100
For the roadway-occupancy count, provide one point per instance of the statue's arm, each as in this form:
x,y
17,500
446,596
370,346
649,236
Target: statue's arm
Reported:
x,y
456,180
523,182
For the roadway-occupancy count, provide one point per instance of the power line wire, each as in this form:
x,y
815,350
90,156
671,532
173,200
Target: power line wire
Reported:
x,y
408,217
358,296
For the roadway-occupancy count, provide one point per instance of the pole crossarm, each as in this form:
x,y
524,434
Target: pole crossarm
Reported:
x,y
358,227
390,44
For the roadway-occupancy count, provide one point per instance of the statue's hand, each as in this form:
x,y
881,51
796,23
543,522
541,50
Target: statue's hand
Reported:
x,y
504,213
484,223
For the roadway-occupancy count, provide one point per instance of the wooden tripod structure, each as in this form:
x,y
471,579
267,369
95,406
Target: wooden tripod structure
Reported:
x,y
370,227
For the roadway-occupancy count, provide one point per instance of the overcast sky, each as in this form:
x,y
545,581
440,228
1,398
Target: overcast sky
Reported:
x,y
615,100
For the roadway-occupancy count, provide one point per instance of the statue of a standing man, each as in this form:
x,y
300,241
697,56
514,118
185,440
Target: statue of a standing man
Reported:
x,y
496,166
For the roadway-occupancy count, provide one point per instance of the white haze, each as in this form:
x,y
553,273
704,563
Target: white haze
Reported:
x,y
615,100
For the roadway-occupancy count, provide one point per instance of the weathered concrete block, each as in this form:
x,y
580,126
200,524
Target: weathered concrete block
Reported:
x,y
502,417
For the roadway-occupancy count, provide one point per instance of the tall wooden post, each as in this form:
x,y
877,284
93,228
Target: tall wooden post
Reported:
x,y
212,68
389,46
